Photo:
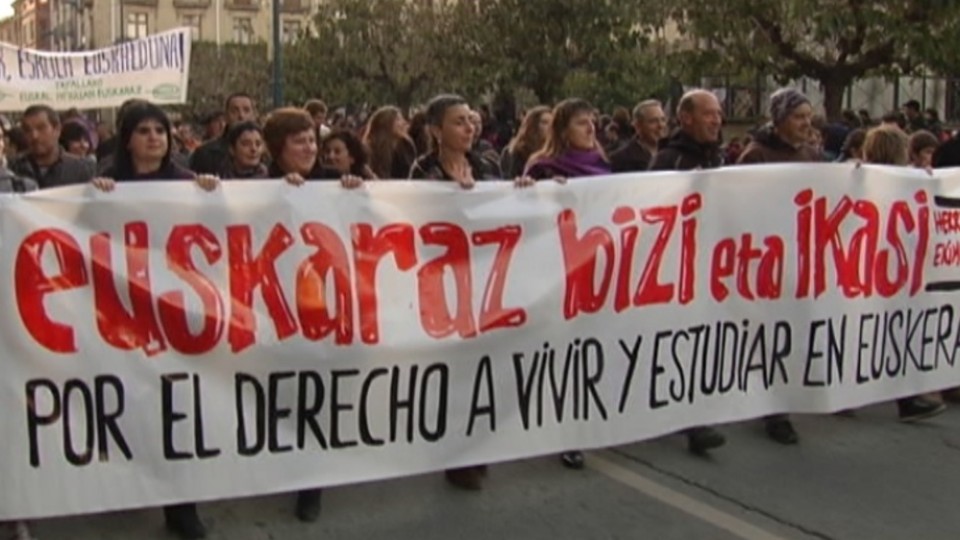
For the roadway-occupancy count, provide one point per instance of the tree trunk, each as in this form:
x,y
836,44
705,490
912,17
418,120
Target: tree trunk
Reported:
x,y
833,90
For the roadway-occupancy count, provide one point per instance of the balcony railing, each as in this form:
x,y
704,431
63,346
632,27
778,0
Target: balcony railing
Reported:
x,y
246,5
294,6
191,3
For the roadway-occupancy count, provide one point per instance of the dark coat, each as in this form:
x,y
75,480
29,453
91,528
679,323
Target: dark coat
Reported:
x,y
682,153
767,147
67,170
631,157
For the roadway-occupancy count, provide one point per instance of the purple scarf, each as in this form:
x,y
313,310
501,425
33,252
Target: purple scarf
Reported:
x,y
572,164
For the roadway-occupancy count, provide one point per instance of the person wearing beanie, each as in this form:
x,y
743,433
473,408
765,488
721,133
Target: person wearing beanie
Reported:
x,y
784,139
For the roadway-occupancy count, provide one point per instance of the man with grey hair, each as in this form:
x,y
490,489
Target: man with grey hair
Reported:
x,y
650,125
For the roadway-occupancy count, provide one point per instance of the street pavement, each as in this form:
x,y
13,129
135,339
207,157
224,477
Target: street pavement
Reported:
x,y
867,477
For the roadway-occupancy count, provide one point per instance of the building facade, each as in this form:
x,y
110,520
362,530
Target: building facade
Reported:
x,y
66,25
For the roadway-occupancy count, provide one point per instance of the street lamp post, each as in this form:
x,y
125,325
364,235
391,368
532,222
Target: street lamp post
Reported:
x,y
277,57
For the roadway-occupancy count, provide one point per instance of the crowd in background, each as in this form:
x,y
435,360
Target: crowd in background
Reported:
x,y
450,140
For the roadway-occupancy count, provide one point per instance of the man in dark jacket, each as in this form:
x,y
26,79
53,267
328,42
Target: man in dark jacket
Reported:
x,y
44,160
784,139
211,156
948,155
696,144
650,125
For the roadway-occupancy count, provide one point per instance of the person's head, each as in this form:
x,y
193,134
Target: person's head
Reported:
x,y
923,145
894,119
700,116
384,131
649,121
144,139
317,110
533,130
612,133
343,151
245,143
865,118
851,119
291,138
911,109
792,116
449,124
41,128
477,120
853,145
75,139
932,116
104,130
214,126
886,145
572,128
15,142
239,107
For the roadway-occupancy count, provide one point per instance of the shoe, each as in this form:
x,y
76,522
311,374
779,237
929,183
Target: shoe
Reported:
x,y
573,460
913,410
183,521
781,430
308,505
18,530
467,478
701,440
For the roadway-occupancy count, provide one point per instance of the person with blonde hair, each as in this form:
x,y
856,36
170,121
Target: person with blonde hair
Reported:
x,y
530,137
886,145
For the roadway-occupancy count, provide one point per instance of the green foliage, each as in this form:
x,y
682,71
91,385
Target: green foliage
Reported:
x,y
216,72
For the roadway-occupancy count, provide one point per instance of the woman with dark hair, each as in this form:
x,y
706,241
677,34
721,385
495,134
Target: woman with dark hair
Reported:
x,y
852,149
530,137
450,160
75,139
143,154
418,133
245,146
343,152
387,138
571,150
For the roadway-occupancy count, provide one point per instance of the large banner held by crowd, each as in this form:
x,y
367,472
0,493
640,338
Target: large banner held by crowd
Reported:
x,y
155,68
165,344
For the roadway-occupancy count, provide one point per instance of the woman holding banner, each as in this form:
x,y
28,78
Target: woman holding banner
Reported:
x,y
245,146
143,153
571,150
450,159
291,138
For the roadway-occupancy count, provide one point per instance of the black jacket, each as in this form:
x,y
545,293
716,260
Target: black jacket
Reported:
x,y
631,157
428,167
210,157
682,153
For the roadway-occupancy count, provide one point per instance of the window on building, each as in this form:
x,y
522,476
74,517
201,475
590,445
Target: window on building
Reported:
x,y
137,25
290,30
193,22
243,30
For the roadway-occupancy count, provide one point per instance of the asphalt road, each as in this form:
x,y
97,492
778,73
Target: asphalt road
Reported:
x,y
867,477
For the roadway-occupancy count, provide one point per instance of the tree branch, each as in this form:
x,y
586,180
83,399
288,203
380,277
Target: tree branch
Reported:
x,y
806,63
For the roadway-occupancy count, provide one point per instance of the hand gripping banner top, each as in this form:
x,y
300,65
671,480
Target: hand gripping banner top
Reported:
x,y
164,344
155,68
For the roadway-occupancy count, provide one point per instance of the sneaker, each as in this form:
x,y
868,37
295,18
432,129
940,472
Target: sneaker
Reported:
x,y
183,521
573,460
781,430
308,505
18,530
467,478
701,440
916,409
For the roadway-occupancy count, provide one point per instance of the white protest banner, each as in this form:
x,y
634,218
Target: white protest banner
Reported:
x,y
164,344
155,68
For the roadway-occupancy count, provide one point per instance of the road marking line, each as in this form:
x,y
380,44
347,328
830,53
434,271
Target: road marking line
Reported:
x,y
698,509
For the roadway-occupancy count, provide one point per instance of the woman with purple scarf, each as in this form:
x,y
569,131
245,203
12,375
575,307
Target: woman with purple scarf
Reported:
x,y
571,149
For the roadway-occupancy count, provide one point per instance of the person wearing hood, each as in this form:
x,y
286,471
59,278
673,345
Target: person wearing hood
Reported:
x,y
786,138
696,143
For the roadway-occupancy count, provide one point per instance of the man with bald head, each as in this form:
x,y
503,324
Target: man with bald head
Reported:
x,y
696,144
